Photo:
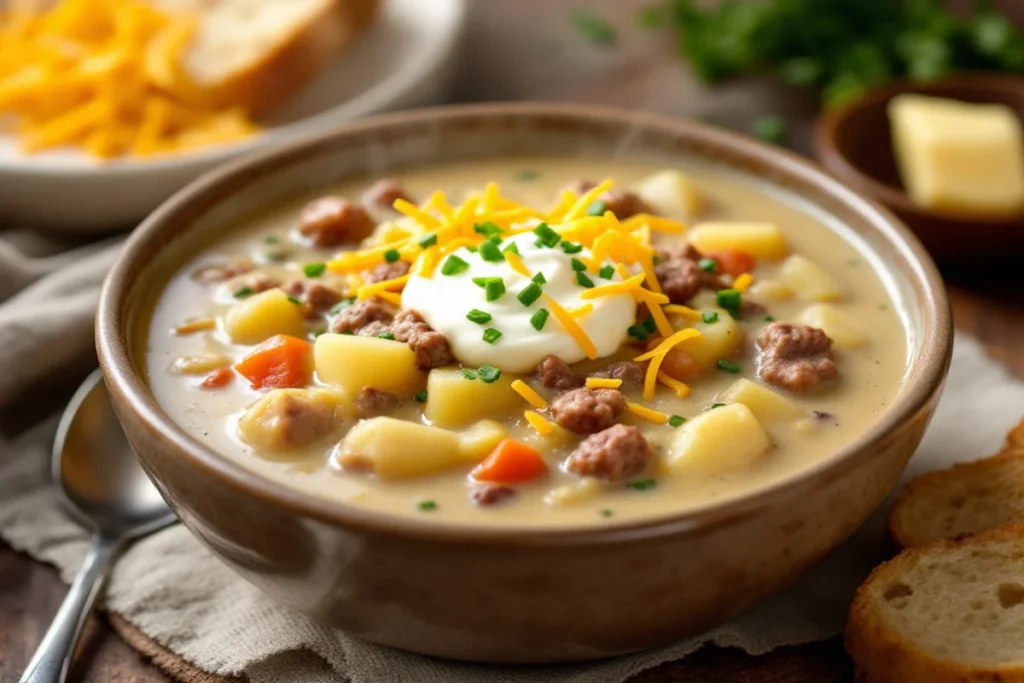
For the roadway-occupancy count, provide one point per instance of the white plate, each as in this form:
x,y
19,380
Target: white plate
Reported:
x,y
406,59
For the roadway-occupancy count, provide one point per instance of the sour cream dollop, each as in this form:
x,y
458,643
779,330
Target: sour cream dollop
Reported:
x,y
444,301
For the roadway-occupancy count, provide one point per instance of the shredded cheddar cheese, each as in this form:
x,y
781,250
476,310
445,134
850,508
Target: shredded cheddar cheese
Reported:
x,y
377,288
682,311
572,328
743,282
516,264
603,383
681,388
657,356
393,298
646,413
543,426
582,311
529,395
625,287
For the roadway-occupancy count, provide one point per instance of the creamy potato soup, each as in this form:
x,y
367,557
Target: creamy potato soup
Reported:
x,y
528,341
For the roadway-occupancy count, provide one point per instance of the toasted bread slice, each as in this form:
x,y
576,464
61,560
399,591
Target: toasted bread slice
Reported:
x,y
951,611
256,54
966,498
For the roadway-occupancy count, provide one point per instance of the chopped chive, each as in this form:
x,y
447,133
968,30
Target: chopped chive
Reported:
x,y
318,331
468,374
295,301
649,324
391,255
512,247
638,331
477,316
655,259
538,319
314,269
427,505
243,292
527,176
571,247
546,236
275,257
540,279
769,318
491,335
709,317
490,252
341,306
428,240
488,373
471,248
607,512
728,366
494,289
676,420
708,265
538,244
271,239
583,279
652,16
597,209
770,128
729,299
529,294
487,229
495,238
606,272
643,484
577,265
453,265
421,396
390,336
350,332
592,27
716,405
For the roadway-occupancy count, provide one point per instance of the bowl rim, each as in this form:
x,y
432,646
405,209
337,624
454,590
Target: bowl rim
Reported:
x,y
923,378
827,152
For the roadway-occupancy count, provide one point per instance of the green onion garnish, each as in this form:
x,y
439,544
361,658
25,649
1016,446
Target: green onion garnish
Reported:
x,y
716,405
729,299
538,319
527,176
592,27
529,294
512,247
649,324
391,255
488,373
583,280
479,317
606,272
386,335
571,247
540,279
341,306
318,331
655,259
490,252
243,292
314,269
606,512
487,229
468,374
494,289
728,366
638,331
471,248
770,128
546,236
597,209
421,396
270,239
676,420
453,265
643,484
428,240
427,505
295,301
491,335
708,265
709,317
577,265
769,318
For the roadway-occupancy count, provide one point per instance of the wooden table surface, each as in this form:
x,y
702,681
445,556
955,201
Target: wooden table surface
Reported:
x,y
527,49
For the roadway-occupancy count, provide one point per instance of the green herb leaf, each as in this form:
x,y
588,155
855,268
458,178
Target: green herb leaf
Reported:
x,y
295,301
479,317
243,292
491,335
769,318
716,405
489,229
538,319
386,335
391,255
708,265
494,289
676,420
341,306
529,294
730,300
314,269
428,240
592,27
643,484
606,272
453,265
649,324
638,332
728,366
709,317
421,396
488,373
468,374
583,279
490,252
546,236
540,279
571,247
577,265
427,505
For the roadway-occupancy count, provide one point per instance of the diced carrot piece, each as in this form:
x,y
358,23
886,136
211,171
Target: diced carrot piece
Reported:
x,y
280,362
678,364
217,379
733,262
511,462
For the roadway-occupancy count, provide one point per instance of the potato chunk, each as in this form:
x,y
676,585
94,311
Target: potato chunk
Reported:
x,y
396,449
356,362
290,418
843,329
760,240
718,340
453,400
478,440
771,291
808,280
261,316
764,403
717,441
671,193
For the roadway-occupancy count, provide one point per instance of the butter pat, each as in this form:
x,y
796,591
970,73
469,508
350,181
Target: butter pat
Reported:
x,y
959,157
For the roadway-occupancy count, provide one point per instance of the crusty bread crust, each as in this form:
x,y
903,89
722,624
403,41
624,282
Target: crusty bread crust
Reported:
x,y
884,655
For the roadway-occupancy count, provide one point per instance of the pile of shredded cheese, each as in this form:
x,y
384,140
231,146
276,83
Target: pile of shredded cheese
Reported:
x,y
436,228
102,75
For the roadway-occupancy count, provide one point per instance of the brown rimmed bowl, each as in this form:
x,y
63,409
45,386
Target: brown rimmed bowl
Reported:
x,y
854,143
508,594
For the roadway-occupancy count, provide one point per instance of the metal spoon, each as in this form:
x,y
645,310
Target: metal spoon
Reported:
x,y
102,487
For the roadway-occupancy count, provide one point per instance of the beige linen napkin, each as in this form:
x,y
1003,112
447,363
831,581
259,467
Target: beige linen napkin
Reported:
x,y
171,589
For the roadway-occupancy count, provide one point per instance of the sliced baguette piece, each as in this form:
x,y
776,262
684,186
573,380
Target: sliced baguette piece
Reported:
x,y
966,498
951,611
256,54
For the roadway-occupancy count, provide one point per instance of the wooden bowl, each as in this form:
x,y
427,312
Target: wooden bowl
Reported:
x,y
547,593
854,143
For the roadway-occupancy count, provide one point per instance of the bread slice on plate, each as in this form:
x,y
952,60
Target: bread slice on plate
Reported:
x,y
257,53
966,498
951,611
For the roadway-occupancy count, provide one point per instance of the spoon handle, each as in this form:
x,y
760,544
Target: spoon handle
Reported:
x,y
52,658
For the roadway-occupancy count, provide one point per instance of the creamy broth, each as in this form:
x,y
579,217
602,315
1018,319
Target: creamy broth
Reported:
x,y
831,416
